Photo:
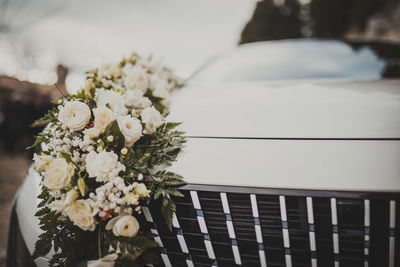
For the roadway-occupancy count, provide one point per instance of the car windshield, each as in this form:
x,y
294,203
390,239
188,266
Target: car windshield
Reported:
x,y
302,59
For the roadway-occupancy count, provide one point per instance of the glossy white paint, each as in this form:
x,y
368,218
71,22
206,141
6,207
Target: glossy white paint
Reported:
x,y
324,165
294,110
26,207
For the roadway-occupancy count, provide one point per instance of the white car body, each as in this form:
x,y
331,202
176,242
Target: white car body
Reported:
x,y
336,133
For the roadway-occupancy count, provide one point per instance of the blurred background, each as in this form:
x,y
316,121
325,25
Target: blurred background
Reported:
x,y
44,42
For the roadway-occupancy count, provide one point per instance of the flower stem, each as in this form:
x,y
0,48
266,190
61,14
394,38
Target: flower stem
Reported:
x,y
99,241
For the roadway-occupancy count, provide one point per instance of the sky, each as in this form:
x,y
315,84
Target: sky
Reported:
x,y
86,34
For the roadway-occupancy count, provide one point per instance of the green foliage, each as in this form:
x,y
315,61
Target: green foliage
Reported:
x,y
51,116
168,207
65,156
157,103
71,244
165,185
142,248
41,137
80,95
119,140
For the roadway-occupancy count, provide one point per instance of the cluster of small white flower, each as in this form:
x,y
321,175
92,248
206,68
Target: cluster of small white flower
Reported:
x,y
76,150
141,79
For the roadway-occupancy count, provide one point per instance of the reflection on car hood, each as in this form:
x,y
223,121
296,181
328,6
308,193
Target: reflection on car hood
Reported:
x,y
302,109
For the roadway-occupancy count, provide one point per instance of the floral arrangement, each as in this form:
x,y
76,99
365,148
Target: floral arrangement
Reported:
x,y
103,154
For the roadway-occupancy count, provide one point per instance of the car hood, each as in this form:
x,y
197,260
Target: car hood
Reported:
x,y
296,109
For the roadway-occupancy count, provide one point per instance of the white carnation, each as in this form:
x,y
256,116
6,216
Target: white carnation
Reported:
x,y
58,174
114,99
136,78
131,129
151,118
75,115
161,90
104,165
80,213
135,98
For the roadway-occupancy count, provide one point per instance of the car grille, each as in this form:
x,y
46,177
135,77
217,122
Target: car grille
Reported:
x,y
236,226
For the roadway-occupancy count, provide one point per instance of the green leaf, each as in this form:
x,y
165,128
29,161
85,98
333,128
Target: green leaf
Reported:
x,y
46,119
119,139
42,212
168,207
173,183
39,139
81,94
142,162
158,193
174,192
143,242
167,175
66,156
42,247
171,125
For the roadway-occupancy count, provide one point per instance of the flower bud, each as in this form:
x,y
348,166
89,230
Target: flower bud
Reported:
x,y
124,151
82,186
142,191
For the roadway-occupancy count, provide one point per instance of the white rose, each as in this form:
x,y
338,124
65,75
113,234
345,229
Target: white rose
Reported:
x,y
80,213
125,226
41,162
142,191
136,78
103,165
151,118
131,129
58,174
103,116
75,115
114,99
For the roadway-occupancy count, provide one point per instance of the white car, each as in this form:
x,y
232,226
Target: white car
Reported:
x,y
293,159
